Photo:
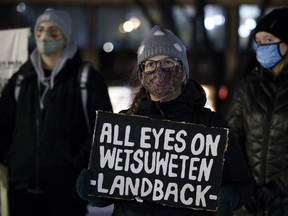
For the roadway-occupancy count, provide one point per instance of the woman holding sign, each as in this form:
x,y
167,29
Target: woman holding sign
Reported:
x,y
166,93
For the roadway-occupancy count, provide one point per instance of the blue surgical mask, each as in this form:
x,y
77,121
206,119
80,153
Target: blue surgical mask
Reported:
x,y
268,55
51,46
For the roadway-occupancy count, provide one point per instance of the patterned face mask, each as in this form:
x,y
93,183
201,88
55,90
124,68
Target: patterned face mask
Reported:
x,y
269,55
163,83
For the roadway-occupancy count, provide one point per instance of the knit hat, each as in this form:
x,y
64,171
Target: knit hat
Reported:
x,y
162,42
274,23
60,18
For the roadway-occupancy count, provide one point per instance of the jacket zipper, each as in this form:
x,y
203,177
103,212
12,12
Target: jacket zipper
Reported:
x,y
37,188
158,107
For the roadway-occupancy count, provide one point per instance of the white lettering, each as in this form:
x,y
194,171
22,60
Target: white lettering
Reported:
x,y
144,137
106,131
212,145
201,146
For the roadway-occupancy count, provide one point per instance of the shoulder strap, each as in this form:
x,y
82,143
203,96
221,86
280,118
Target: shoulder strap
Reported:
x,y
17,89
83,79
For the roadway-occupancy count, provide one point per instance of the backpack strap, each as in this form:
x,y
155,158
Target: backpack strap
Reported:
x,y
17,89
83,79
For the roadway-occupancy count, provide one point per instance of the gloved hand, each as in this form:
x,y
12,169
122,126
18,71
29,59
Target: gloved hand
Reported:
x,y
83,189
227,201
83,184
267,193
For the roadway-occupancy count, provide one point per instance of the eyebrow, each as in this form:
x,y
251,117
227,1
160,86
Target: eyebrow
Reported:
x,y
266,37
50,27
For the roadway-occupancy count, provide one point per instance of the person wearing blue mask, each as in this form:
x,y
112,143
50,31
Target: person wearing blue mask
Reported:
x,y
45,139
258,115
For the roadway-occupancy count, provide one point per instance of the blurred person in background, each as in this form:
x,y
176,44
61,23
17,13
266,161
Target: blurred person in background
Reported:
x,y
258,115
167,93
45,141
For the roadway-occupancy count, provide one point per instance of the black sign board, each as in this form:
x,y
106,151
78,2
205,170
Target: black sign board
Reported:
x,y
170,163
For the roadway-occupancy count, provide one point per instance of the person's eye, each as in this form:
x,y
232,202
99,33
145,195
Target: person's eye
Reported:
x,y
149,64
54,33
271,40
168,63
40,30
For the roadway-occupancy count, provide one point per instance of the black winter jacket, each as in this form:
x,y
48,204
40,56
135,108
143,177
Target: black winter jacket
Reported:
x,y
259,117
46,148
189,107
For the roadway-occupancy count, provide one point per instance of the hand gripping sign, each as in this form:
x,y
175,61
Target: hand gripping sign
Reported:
x,y
169,163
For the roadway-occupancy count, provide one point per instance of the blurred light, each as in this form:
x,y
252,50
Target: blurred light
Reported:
x,y
223,93
213,21
206,90
248,15
209,23
244,31
108,47
21,7
210,92
121,29
219,20
136,22
249,11
190,10
250,23
128,26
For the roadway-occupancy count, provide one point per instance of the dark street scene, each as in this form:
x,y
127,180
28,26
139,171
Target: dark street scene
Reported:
x,y
144,108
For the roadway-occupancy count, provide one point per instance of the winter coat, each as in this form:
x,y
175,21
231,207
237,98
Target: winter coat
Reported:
x,y
189,107
44,138
259,118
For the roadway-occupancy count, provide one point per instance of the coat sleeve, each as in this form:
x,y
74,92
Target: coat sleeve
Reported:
x,y
236,173
7,116
237,141
235,116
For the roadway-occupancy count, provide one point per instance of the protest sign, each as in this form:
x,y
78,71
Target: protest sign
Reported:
x,y
170,163
13,52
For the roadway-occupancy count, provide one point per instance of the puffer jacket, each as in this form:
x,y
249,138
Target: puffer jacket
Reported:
x,y
258,116
45,148
189,107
